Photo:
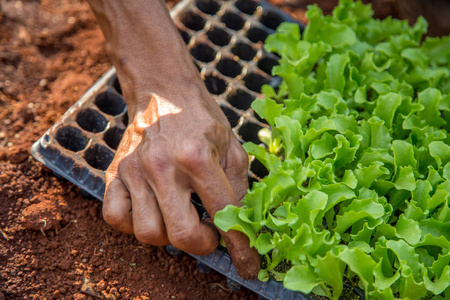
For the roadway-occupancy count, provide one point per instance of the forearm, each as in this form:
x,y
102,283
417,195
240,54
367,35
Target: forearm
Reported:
x,y
145,47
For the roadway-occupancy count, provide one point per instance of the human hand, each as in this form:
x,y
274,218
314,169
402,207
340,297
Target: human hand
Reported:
x,y
167,153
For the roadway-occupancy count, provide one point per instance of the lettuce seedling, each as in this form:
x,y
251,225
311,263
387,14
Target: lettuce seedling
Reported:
x,y
358,155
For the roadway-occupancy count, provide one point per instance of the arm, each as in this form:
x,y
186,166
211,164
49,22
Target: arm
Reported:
x,y
178,140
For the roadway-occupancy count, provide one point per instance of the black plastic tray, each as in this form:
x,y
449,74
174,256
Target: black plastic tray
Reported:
x,y
225,39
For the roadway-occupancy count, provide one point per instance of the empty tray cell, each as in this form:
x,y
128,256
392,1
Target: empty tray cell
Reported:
x,y
193,21
247,6
271,19
71,138
243,51
229,67
203,52
185,36
113,137
255,81
232,21
99,157
215,85
209,7
91,120
218,36
266,64
240,99
249,132
257,34
233,118
116,85
110,103
258,169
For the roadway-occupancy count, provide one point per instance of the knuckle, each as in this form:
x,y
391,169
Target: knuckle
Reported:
x,y
157,164
132,171
125,166
183,236
242,159
151,234
241,191
193,155
117,219
238,162
155,160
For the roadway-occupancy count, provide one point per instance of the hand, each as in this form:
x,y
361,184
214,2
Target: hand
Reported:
x,y
167,153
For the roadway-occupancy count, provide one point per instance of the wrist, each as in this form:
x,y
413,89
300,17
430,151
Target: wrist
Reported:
x,y
146,49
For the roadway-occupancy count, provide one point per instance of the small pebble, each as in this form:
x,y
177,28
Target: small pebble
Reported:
x,y
93,211
43,82
172,270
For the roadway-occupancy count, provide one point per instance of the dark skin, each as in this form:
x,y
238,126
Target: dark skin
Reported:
x,y
178,140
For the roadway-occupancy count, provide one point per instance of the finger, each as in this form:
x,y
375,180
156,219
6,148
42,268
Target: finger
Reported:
x,y
117,206
148,224
211,184
173,193
236,170
184,229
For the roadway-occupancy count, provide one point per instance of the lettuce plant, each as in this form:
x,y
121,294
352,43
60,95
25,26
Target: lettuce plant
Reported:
x,y
358,155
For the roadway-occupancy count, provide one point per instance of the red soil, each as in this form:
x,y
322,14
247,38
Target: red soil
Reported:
x,y
52,240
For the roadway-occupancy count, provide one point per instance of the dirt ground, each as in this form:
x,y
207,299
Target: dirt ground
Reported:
x,y
53,242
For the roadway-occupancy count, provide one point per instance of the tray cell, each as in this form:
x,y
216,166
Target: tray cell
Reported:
x,y
246,6
249,132
266,64
218,36
99,157
271,19
257,34
215,84
71,138
209,7
110,103
91,120
254,82
233,118
233,21
240,99
203,52
229,67
113,137
244,51
193,21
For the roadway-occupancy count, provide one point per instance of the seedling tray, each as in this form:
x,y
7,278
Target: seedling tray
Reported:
x,y
225,39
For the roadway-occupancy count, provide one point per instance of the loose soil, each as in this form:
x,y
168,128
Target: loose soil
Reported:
x,y
53,241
